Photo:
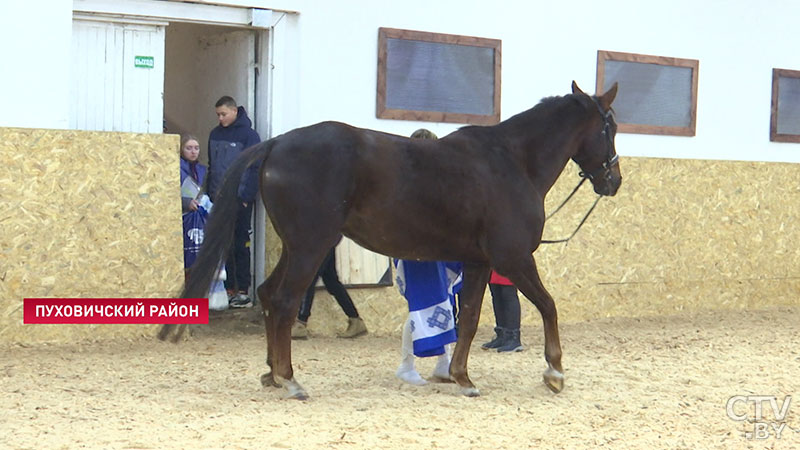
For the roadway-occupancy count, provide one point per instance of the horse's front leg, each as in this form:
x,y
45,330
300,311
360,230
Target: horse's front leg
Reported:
x,y
525,277
475,279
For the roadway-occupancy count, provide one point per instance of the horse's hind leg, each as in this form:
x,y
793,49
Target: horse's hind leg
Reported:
x,y
265,292
526,279
301,266
475,279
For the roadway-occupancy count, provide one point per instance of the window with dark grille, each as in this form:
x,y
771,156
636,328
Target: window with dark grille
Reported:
x,y
438,77
785,117
657,94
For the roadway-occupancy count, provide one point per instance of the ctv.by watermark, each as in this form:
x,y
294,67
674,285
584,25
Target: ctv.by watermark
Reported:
x,y
766,412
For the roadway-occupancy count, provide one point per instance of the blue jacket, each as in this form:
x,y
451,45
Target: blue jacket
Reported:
x,y
186,171
224,145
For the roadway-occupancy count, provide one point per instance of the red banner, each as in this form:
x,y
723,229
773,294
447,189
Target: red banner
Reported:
x,y
115,310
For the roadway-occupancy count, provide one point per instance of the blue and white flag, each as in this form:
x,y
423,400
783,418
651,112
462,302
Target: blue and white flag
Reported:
x,y
430,288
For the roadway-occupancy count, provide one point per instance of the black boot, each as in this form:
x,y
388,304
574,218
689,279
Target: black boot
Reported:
x,y
499,338
511,342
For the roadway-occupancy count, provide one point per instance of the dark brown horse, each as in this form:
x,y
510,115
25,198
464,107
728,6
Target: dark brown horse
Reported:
x,y
476,196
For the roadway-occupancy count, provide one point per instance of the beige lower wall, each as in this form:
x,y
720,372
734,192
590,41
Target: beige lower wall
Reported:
x,y
681,235
86,214
89,214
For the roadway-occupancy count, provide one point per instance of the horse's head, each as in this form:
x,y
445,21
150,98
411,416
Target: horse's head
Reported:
x,y
596,155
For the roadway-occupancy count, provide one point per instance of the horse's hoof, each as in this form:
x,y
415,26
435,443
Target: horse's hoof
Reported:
x,y
297,394
470,392
294,390
267,380
554,380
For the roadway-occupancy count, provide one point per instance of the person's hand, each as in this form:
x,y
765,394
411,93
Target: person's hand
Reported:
x,y
244,204
193,205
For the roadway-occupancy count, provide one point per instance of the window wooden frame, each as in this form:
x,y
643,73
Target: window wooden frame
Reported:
x,y
384,34
774,136
693,64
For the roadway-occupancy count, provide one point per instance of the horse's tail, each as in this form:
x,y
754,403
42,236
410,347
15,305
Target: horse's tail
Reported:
x,y
219,229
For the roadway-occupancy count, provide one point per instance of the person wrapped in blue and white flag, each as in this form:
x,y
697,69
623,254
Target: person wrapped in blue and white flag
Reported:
x,y
430,288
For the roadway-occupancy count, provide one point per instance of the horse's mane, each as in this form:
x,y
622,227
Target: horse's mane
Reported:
x,y
545,106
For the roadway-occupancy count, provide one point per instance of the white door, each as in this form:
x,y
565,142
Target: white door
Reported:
x,y
358,266
117,76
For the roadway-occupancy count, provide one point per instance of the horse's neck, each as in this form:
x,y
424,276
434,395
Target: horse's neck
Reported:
x,y
543,152
544,167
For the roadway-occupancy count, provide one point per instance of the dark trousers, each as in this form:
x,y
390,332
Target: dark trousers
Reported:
x,y
330,279
237,265
505,303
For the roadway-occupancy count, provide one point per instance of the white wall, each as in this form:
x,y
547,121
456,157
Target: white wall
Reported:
x,y
35,38
546,45
326,60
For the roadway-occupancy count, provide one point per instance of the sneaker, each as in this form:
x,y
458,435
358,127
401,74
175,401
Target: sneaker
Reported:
x,y
411,377
441,373
355,328
512,342
498,341
299,330
240,300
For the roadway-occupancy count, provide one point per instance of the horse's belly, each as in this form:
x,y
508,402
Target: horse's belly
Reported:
x,y
402,238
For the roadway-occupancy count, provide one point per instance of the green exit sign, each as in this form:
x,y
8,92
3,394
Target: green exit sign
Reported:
x,y
145,62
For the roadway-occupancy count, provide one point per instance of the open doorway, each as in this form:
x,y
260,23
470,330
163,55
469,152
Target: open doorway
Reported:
x,y
203,63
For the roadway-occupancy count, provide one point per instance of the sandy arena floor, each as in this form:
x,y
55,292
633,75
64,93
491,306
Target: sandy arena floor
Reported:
x,y
631,383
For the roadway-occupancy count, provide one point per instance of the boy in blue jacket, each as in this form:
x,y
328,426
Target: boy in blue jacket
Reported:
x,y
226,141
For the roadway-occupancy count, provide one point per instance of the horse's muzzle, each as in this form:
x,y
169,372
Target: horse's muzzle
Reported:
x,y
609,184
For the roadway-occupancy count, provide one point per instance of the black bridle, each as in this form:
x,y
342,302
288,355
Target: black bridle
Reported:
x,y
612,159
603,172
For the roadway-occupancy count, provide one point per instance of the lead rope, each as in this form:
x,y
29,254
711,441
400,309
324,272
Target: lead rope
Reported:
x,y
566,199
559,241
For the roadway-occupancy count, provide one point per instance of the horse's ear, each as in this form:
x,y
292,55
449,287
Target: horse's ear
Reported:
x,y
607,98
576,89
